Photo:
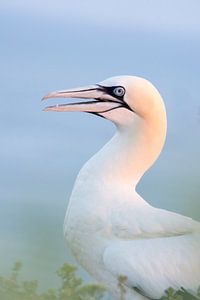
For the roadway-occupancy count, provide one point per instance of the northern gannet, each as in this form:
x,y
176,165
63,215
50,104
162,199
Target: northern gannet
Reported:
x,y
110,229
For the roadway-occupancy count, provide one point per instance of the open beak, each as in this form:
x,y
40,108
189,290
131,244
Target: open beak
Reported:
x,y
101,101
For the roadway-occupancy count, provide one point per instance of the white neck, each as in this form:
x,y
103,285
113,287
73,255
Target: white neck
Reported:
x,y
131,152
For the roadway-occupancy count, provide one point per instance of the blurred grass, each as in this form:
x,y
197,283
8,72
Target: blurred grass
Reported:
x,y
182,294
71,287
169,294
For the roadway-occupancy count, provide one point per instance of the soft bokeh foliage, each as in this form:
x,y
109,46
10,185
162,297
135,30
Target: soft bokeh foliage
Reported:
x,y
170,293
72,287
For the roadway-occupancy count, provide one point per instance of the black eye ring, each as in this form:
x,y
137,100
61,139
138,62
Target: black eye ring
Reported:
x,y
119,91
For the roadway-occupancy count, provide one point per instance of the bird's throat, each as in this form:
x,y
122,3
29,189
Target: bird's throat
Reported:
x,y
130,153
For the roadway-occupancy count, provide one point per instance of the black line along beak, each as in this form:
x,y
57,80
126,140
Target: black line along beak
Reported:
x,y
101,101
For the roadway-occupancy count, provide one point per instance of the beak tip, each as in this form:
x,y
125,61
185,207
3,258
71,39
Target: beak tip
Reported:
x,y
44,98
45,109
51,108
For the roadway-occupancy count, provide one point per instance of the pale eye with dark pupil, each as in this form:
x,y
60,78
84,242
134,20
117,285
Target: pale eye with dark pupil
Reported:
x,y
119,91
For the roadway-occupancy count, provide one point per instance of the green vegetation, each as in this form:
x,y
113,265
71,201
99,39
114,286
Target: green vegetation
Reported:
x,y
182,294
121,282
71,287
170,293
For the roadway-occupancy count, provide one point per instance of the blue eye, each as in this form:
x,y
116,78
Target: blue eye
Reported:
x,y
119,91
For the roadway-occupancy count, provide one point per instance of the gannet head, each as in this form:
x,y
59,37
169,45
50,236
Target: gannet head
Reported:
x,y
118,99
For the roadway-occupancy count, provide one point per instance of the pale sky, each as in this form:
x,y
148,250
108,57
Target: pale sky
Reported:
x,y
179,16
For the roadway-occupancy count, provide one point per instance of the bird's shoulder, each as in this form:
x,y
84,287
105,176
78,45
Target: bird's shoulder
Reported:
x,y
145,221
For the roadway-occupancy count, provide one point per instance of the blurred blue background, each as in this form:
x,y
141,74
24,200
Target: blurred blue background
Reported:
x,y
49,45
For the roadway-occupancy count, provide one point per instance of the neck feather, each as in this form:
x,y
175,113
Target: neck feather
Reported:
x,y
131,151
